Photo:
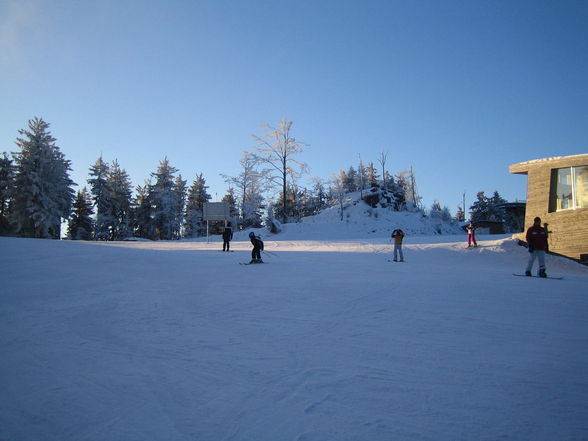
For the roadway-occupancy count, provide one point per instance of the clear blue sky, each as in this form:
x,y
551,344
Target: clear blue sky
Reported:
x,y
456,89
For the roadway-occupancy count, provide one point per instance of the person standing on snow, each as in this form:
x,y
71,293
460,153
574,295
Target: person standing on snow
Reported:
x,y
227,236
537,241
398,235
471,229
257,248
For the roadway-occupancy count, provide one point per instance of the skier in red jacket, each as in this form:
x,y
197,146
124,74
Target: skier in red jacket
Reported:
x,y
471,229
537,241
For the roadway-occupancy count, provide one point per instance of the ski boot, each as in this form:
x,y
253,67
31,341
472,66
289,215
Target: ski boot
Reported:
x,y
542,272
528,273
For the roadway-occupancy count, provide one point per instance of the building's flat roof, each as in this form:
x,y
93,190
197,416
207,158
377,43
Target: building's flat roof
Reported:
x,y
523,167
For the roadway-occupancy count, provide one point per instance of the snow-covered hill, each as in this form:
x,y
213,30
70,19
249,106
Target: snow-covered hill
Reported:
x,y
360,221
174,341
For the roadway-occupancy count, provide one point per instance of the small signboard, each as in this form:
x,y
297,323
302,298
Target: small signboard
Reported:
x,y
216,211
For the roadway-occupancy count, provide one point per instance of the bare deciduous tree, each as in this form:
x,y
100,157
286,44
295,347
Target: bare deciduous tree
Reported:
x,y
276,149
382,161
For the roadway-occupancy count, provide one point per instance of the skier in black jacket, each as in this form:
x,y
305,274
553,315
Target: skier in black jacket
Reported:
x,y
227,236
257,248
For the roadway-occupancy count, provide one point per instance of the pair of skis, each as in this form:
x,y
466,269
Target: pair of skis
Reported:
x,y
258,263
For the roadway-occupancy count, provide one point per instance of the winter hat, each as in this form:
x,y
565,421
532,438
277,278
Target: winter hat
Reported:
x,y
252,234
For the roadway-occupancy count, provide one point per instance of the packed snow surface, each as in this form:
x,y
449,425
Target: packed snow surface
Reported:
x,y
166,341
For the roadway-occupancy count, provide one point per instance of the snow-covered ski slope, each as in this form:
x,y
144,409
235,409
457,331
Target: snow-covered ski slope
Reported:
x,y
166,341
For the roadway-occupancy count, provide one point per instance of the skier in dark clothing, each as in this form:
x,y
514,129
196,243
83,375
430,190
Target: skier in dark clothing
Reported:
x,y
227,236
257,248
537,240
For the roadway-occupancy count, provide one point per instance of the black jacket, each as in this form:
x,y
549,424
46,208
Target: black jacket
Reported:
x,y
228,233
257,242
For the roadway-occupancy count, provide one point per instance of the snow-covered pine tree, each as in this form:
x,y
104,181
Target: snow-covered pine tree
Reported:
x,y
495,209
43,189
307,203
372,175
194,224
101,191
441,213
397,188
446,214
479,209
142,212
120,188
292,205
492,209
6,192
253,206
180,192
247,186
435,211
230,199
81,224
350,181
319,196
460,214
162,199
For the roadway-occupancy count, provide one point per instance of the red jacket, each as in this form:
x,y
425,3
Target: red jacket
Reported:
x,y
537,238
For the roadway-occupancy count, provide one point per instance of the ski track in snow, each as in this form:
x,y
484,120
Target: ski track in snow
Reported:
x,y
171,341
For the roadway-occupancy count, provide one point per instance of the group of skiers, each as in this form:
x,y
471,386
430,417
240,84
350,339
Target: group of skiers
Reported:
x,y
536,239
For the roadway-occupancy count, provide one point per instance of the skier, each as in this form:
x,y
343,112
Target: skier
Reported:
x,y
257,248
471,229
227,236
398,235
537,241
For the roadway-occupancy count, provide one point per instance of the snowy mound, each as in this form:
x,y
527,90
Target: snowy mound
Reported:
x,y
360,221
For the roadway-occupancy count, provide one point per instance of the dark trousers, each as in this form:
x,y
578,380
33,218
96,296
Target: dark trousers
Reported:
x,y
226,245
256,253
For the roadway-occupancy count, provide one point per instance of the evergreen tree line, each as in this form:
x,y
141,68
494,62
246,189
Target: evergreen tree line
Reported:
x,y
36,195
36,192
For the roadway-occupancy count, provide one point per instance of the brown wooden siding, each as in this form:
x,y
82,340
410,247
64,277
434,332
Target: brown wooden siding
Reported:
x,y
569,228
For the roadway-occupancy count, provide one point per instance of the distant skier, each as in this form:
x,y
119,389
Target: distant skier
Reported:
x,y
257,248
471,229
227,236
398,235
537,241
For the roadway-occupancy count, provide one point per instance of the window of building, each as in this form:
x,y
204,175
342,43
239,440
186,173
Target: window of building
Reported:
x,y
581,186
569,188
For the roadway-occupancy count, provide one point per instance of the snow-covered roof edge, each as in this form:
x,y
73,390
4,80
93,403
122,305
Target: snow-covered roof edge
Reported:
x,y
553,158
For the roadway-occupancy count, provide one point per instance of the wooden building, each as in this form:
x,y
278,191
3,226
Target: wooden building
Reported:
x,y
557,192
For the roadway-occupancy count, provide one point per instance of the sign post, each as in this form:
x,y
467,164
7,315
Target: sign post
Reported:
x,y
216,211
